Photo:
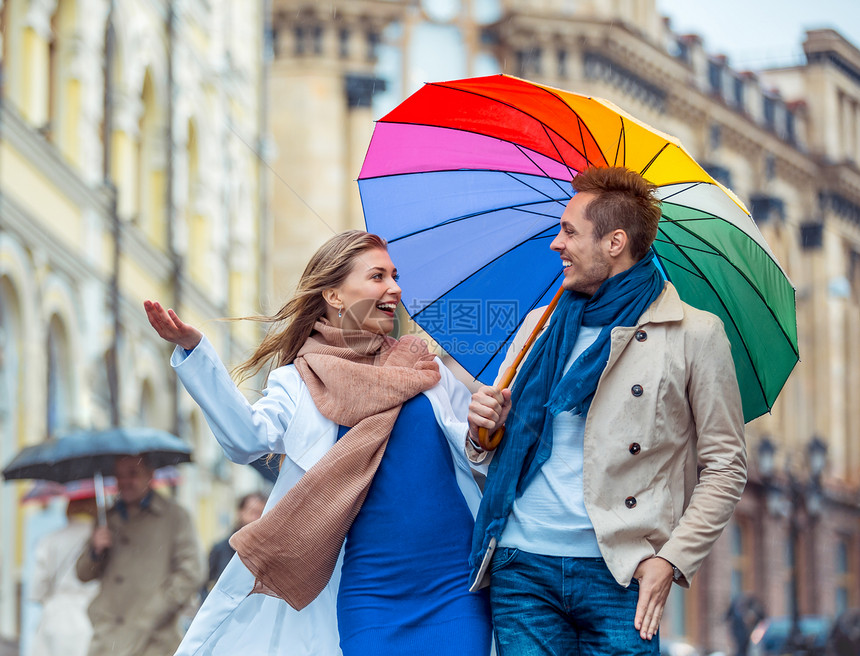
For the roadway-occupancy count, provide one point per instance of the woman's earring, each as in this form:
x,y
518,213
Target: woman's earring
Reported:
x,y
340,313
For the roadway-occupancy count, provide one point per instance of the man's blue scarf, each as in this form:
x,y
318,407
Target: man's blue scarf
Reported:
x,y
542,389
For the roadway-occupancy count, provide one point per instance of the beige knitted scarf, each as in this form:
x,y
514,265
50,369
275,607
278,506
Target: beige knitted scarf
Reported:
x,y
356,379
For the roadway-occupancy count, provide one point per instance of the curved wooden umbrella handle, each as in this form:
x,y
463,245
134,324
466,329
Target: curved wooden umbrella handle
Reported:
x,y
487,442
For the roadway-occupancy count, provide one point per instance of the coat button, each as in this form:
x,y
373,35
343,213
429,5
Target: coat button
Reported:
x,y
119,579
641,335
635,448
630,502
636,390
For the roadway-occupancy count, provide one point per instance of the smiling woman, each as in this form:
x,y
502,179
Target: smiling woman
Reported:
x,y
348,550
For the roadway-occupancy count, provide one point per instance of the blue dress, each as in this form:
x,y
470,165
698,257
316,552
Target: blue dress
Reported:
x,y
404,587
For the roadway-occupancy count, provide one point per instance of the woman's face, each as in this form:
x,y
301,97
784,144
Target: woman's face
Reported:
x,y
368,296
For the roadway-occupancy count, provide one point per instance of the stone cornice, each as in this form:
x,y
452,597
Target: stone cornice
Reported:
x,y
31,233
45,157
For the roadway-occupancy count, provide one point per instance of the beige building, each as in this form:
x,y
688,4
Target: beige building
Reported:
x,y
128,170
787,141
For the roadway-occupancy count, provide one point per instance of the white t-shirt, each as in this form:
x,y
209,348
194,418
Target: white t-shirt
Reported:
x,y
550,517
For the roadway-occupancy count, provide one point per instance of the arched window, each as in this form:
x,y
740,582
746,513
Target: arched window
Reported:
x,y
10,348
59,377
10,432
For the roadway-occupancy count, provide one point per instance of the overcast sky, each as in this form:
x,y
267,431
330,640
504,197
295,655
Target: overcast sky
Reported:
x,y
759,33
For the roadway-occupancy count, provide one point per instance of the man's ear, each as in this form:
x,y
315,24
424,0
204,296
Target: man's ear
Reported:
x,y
617,242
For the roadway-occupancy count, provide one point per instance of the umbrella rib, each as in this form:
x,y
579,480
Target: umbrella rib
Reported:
x,y
718,253
697,249
580,123
671,261
481,268
653,159
519,323
536,190
482,134
540,168
692,185
517,207
521,111
621,135
732,319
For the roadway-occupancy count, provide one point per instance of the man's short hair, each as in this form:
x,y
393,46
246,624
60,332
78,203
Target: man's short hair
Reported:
x,y
624,200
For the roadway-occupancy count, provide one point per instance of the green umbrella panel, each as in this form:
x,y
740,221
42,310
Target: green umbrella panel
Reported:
x,y
719,262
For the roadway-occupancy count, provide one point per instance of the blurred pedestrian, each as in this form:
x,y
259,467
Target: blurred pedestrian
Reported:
x,y
368,527
64,627
250,508
149,564
743,614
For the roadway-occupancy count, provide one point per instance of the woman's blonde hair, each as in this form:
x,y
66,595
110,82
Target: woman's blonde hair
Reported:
x,y
294,322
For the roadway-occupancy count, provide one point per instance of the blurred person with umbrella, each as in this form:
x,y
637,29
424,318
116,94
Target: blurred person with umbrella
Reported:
x,y
64,628
363,547
89,454
149,563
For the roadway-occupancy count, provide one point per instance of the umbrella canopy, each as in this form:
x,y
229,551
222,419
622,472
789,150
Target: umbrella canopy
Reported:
x,y
467,181
43,491
83,454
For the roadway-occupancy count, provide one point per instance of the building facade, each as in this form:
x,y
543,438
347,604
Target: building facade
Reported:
x,y
130,133
786,141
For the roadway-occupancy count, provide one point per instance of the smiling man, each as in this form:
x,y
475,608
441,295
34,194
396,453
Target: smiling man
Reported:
x,y
623,456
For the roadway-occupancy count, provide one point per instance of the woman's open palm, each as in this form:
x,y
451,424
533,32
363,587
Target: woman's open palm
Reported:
x,y
170,327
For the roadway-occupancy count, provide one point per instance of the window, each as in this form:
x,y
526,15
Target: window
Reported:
x,y
739,92
299,34
741,535
789,575
58,386
715,77
844,570
562,63
343,38
770,112
716,136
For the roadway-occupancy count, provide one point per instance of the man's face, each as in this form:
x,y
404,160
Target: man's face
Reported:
x,y
133,478
586,263
251,510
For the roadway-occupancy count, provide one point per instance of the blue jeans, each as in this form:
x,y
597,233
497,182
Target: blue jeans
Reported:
x,y
556,606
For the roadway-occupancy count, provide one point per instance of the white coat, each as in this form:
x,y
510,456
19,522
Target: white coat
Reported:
x,y
64,627
285,421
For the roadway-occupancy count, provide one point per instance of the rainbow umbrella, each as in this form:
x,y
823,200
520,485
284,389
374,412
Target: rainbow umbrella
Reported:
x,y
467,181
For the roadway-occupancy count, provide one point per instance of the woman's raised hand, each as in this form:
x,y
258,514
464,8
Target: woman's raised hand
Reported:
x,y
170,328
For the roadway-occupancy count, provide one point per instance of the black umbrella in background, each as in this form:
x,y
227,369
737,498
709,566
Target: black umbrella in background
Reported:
x,y
88,453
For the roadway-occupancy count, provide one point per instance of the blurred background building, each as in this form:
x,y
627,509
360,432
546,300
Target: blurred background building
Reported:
x,y
128,170
237,130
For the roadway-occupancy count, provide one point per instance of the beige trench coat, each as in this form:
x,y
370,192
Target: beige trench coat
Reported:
x,y
666,404
151,571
